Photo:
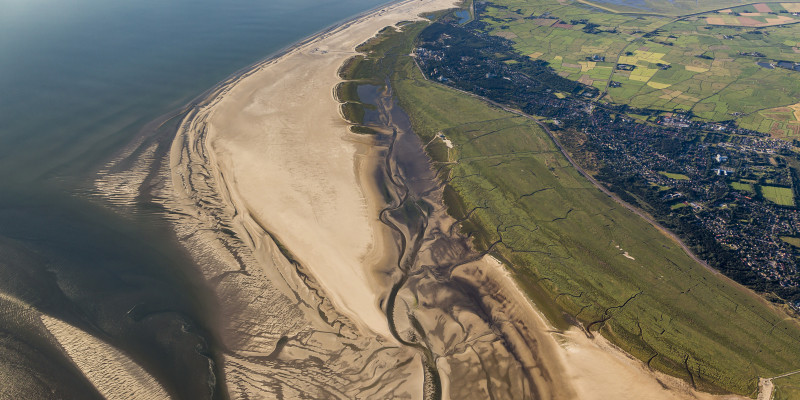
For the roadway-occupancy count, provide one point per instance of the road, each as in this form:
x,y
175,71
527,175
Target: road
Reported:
x,y
765,385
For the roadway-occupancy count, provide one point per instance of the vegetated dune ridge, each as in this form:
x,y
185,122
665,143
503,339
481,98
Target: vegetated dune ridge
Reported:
x,y
276,201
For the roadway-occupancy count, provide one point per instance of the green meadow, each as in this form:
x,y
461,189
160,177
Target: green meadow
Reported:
x,y
787,388
778,195
680,177
745,187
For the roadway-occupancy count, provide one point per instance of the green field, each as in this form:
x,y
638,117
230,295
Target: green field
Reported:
x,y
682,63
791,240
679,177
787,388
745,187
780,122
778,195
674,7
575,250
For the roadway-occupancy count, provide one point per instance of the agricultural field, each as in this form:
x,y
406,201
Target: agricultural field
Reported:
x,y
745,187
780,122
576,251
733,63
680,177
661,7
791,240
778,195
755,15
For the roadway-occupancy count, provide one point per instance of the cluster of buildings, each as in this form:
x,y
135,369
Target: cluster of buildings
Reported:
x,y
702,179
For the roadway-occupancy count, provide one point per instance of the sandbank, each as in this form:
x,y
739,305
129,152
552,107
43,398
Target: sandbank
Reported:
x,y
290,161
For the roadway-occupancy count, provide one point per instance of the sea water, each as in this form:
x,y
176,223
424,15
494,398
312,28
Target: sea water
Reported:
x,y
78,80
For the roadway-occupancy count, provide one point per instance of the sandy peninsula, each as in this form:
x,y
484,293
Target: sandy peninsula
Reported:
x,y
291,163
298,196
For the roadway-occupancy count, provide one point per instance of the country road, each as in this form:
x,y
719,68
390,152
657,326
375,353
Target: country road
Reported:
x,y
765,385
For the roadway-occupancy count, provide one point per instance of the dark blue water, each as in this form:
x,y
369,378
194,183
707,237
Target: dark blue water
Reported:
x,y
78,80
77,76
463,16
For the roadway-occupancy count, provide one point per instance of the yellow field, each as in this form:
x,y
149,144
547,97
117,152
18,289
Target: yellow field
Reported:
x,y
748,19
640,55
696,69
642,74
796,109
791,7
781,19
658,85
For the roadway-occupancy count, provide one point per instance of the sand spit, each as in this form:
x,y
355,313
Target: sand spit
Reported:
x,y
110,371
264,191
289,159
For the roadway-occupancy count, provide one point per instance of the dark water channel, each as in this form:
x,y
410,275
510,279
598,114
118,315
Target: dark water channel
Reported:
x,y
431,256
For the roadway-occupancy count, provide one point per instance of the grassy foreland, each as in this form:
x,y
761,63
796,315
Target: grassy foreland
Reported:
x,y
578,253
787,388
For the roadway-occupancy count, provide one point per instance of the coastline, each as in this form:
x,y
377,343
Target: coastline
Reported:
x,y
281,311
226,132
331,216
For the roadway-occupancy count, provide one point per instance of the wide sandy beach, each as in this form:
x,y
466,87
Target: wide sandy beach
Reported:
x,y
299,185
291,163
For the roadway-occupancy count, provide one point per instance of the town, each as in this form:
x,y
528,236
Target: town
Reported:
x,y
731,194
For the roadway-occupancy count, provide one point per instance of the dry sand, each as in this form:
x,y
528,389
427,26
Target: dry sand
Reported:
x,y
284,148
265,164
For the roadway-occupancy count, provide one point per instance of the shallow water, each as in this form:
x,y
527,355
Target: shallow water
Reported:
x,y
463,16
79,80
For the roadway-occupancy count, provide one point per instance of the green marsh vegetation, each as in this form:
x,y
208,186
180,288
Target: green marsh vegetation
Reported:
x,y
578,254
356,73
787,388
